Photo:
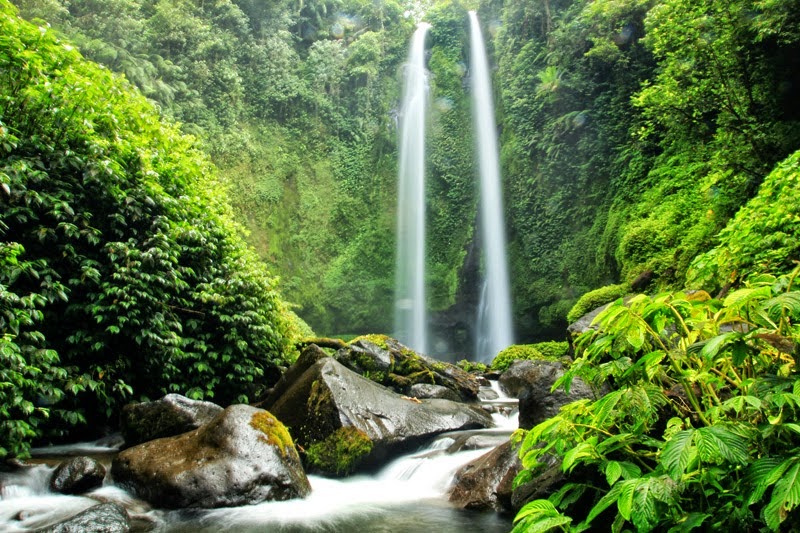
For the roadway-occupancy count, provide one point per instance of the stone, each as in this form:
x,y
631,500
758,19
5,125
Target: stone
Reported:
x,y
531,381
243,456
171,415
426,390
102,518
388,362
486,483
77,476
328,396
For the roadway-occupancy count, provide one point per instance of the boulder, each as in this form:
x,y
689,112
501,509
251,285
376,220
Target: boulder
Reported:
x,y
102,518
486,483
171,415
77,475
243,456
388,362
310,355
426,390
549,480
531,382
328,397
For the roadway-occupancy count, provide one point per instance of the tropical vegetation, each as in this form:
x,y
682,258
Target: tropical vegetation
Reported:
x,y
649,150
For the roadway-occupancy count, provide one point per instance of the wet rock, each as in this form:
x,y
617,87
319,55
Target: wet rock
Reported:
x,y
171,415
531,381
77,475
329,396
388,362
310,355
488,394
486,483
426,390
102,518
541,486
243,456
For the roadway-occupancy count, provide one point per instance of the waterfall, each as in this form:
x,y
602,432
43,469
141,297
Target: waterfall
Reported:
x,y
410,308
495,331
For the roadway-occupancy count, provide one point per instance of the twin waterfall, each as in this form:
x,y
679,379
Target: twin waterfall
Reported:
x,y
494,330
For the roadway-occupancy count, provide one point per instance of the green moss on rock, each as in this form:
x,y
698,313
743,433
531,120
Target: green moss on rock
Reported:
x,y
340,453
275,433
594,299
374,338
552,349
514,353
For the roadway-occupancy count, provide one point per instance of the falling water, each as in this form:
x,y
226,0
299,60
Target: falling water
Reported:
x,y
410,313
494,316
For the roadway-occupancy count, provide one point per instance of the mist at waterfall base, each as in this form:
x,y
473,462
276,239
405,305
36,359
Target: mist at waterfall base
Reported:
x,y
408,495
411,318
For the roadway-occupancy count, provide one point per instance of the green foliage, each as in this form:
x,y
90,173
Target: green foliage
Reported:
x,y
473,367
124,276
341,452
594,299
764,236
552,349
632,132
513,353
699,429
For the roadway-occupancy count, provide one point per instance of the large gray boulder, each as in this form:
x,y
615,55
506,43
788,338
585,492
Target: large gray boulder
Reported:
x,y
77,475
328,397
386,361
243,456
171,415
102,518
531,381
487,482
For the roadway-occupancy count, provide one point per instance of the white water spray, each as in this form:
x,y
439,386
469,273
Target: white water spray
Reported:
x,y
411,320
495,330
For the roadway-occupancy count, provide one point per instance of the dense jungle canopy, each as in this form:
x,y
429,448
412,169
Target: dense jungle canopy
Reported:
x,y
631,133
184,184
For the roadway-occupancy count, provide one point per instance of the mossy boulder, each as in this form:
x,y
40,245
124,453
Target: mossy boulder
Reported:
x,y
243,456
388,362
171,415
596,298
548,351
328,397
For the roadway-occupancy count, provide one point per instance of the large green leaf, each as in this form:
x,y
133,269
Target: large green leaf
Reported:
x,y
718,443
679,452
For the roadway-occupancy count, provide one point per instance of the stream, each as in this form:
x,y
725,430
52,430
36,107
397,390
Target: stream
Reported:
x,y
409,494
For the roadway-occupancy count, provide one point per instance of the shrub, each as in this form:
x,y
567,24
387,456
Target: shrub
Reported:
x,y
552,349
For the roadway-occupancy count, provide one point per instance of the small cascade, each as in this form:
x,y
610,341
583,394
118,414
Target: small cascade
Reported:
x,y
414,485
495,327
411,321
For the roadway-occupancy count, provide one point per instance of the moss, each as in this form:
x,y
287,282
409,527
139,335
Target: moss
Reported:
x,y
472,366
275,433
594,299
341,452
514,353
552,349
409,364
374,338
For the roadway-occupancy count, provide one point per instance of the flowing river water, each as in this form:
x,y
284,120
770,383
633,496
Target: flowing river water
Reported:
x,y
409,495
